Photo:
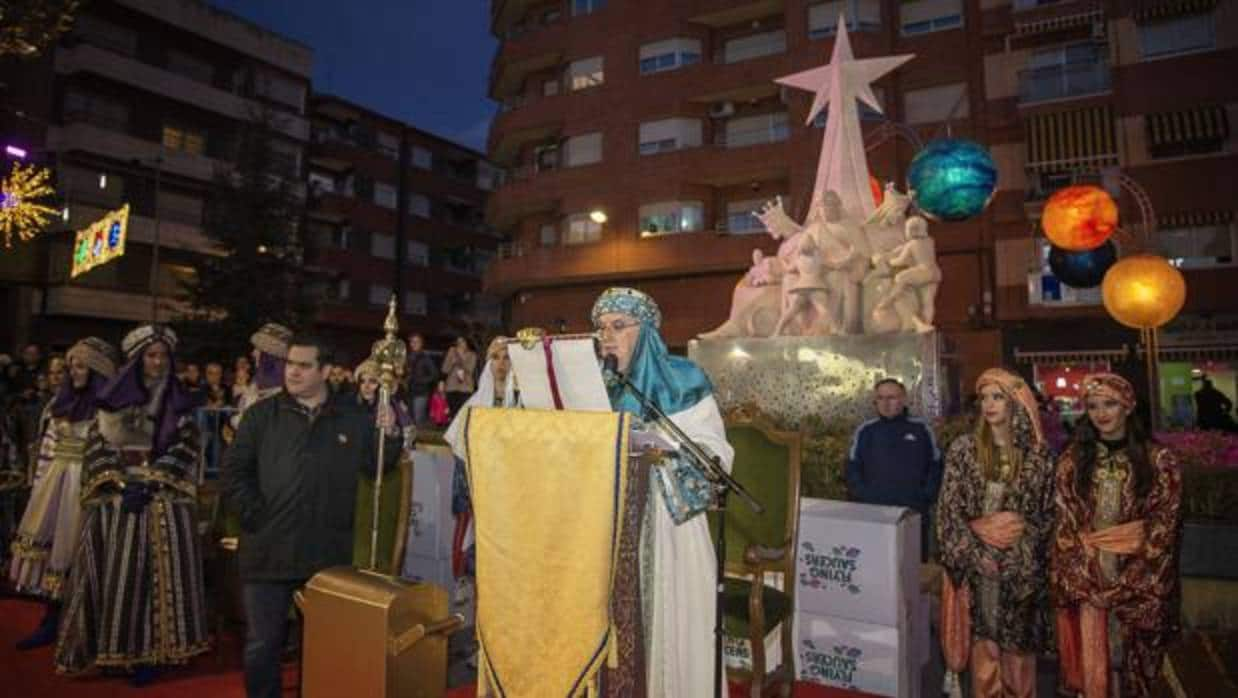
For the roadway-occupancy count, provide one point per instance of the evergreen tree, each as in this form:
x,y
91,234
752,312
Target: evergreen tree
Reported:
x,y
252,216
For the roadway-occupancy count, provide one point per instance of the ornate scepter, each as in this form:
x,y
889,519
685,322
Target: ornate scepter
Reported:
x,y
389,354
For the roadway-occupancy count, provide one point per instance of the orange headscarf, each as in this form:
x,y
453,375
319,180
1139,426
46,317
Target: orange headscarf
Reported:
x,y
1108,385
1018,390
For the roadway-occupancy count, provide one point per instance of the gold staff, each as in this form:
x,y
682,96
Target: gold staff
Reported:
x,y
389,354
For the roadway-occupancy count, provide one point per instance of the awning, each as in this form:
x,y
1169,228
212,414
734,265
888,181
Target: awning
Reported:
x,y
1086,17
1185,131
1078,356
1153,10
1071,141
1193,219
1211,352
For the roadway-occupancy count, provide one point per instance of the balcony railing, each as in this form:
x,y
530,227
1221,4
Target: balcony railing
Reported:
x,y
1063,82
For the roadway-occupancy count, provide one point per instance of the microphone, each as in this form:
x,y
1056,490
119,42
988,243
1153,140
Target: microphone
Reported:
x,y
610,364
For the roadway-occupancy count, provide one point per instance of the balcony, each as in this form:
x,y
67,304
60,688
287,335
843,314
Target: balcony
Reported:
x,y
1069,81
121,146
507,76
724,13
771,129
107,304
149,78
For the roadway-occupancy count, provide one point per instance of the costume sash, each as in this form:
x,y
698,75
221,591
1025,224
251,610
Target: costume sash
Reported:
x,y
547,489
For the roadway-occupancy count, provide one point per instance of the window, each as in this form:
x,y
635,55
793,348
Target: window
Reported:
x,y
584,149
741,216
389,145
419,205
933,104
422,159
382,246
184,139
191,67
379,294
584,73
548,236
285,158
321,183
755,130
550,88
924,16
343,289
862,15
546,157
180,208
1199,246
754,46
579,229
1061,72
279,89
670,54
1182,34
96,109
339,237
671,217
415,303
489,177
418,254
384,195
81,184
669,134
586,7
107,35
1195,131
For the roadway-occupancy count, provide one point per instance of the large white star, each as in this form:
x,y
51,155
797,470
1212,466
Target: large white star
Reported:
x,y
845,78
842,166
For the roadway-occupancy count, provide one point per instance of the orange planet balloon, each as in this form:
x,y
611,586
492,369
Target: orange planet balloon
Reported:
x,y
1079,218
1143,291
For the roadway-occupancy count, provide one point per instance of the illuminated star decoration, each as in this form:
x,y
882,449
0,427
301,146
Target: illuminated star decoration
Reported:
x,y
20,210
842,166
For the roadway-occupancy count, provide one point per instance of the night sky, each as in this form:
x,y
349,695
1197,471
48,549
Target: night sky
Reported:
x,y
424,62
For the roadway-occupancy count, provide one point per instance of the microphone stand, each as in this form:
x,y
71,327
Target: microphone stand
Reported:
x,y
723,483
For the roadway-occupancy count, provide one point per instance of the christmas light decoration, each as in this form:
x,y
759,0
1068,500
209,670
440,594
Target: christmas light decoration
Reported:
x,y
21,212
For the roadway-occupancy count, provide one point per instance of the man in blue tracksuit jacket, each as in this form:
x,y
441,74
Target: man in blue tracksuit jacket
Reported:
x,y
894,459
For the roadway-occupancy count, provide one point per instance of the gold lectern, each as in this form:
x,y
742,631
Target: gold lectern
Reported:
x,y
369,634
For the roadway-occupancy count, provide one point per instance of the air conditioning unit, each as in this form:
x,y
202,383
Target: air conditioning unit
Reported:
x,y
721,110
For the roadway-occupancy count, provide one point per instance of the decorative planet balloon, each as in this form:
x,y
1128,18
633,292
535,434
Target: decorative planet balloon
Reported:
x,y
953,179
1083,269
1079,217
1143,291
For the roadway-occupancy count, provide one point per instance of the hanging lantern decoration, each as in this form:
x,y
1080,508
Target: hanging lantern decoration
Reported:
x,y
953,179
1143,291
1079,218
1083,269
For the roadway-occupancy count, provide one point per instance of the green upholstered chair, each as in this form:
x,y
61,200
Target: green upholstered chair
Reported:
x,y
396,507
767,464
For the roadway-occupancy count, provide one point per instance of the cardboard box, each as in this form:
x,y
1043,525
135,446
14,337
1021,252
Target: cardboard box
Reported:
x,y
843,653
857,561
737,651
431,525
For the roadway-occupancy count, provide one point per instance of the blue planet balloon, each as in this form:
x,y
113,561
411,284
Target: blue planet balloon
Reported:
x,y
953,179
1082,269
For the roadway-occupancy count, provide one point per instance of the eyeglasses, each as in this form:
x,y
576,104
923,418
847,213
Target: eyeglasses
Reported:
x,y
617,326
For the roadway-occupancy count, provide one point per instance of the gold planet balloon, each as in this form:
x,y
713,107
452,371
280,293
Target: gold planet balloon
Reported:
x,y
1079,218
1143,291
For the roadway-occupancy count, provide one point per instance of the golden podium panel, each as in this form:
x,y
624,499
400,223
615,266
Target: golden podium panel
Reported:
x,y
370,634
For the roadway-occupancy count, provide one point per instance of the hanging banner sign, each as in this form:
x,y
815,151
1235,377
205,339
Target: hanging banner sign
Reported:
x,y
102,242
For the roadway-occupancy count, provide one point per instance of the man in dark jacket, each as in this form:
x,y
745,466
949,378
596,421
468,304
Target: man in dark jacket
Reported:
x,y
423,376
894,459
291,474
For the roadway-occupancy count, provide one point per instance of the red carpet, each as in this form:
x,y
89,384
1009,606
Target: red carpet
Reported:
x,y
213,675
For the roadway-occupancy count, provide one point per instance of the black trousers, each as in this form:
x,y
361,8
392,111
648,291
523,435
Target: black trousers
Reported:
x,y
266,630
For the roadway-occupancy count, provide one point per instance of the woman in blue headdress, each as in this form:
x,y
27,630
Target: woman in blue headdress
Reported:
x,y
678,564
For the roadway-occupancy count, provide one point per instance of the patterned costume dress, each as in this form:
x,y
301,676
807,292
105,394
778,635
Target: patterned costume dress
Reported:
x,y
136,593
1139,593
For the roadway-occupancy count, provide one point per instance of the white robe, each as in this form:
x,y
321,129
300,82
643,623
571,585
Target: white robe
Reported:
x,y
684,576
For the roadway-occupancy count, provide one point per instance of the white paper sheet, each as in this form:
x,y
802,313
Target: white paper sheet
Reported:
x,y
578,375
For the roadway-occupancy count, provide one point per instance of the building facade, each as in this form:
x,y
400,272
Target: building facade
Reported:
x,y
141,104
394,209
665,118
